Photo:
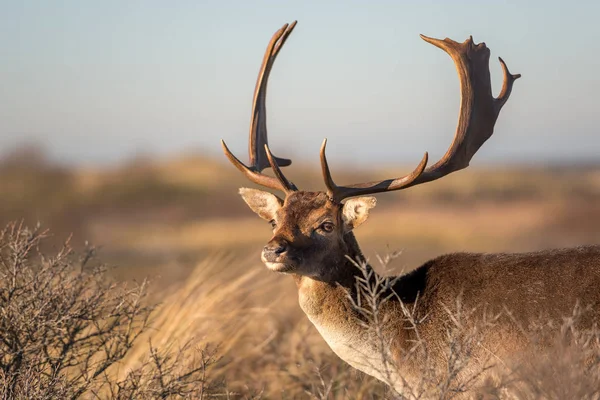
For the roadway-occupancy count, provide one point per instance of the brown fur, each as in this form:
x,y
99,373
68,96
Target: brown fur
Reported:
x,y
520,290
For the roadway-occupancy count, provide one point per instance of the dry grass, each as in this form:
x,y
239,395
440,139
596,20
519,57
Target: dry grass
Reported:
x,y
264,350
183,226
231,330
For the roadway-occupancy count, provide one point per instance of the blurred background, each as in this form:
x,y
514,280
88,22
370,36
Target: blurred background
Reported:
x,y
112,115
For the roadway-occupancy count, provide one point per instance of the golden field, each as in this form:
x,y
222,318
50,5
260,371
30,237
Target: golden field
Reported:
x,y
180,223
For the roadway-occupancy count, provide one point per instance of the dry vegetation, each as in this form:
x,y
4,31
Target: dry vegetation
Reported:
x,y
224,326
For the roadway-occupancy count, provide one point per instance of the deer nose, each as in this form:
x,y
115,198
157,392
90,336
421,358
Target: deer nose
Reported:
x,y
275,248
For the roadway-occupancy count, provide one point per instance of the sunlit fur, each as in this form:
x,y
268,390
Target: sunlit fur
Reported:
x,y
523,289
298,223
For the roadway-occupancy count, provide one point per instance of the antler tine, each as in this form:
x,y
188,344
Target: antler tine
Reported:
x,y
338,193
507,85
290,187
478,113
259,154
258,123
255,176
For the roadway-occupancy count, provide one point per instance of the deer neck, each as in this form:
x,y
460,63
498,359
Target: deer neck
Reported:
x,y
326,295
328,305
339,272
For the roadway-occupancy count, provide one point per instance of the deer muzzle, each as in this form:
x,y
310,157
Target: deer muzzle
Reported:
x,y
275,255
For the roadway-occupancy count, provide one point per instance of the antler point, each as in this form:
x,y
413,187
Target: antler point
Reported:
x,y
424,160
224,146
428,39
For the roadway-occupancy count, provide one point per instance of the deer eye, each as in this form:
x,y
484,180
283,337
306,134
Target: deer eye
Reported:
x,y
273,223
326,227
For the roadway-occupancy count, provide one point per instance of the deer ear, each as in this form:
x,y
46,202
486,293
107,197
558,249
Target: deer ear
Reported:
x,y
264,204
356,211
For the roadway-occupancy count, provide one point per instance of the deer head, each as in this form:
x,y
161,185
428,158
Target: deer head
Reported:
x,y
312,231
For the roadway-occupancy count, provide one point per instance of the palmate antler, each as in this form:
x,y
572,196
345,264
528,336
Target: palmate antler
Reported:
x,y
477,116
478,113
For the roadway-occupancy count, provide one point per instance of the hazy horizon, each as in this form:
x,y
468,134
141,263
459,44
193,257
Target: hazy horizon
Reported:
x,y
100,83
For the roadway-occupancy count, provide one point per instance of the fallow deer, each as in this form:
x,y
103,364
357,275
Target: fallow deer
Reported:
x,y
313,241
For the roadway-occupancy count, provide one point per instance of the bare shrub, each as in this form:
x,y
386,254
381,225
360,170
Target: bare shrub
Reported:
x,y
166,374
562,363
373,293
64,326
568,366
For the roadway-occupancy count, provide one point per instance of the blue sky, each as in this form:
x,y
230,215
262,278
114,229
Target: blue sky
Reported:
x,y
98,82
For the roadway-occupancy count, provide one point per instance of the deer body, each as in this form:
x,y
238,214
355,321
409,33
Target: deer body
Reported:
x,y
501,297
519,290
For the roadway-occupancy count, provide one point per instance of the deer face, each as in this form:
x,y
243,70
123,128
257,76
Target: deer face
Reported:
x,y
308,229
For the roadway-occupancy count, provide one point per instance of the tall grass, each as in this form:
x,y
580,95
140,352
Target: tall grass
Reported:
x,y
267,347
230,330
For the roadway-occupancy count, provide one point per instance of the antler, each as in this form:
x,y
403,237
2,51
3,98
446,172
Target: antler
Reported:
x,y
259,153
477,116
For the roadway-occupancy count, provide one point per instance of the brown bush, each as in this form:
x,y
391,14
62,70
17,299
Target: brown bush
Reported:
x,y
64,326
